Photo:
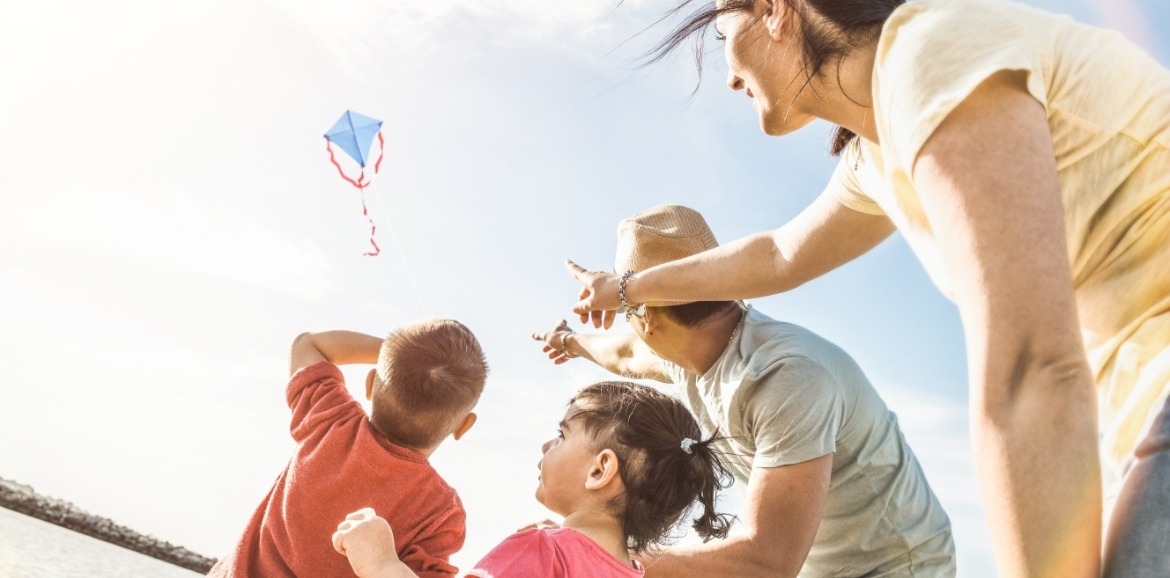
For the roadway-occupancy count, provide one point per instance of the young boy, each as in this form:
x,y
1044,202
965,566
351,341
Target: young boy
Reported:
x,y
428,378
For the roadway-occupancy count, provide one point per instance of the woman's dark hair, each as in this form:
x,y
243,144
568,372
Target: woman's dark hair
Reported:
x,y
646,429
829,29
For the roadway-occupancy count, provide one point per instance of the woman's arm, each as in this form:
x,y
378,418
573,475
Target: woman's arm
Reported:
x,y
990,192
821,238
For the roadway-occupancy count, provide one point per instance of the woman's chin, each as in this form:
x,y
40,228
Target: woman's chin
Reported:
x,y
780,128
771,129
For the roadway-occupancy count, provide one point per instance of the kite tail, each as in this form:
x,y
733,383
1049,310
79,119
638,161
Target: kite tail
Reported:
x,y
361,182
373,228
357,183
381,153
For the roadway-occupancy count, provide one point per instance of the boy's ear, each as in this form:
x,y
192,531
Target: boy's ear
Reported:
x,y
466,425
603,471
370,383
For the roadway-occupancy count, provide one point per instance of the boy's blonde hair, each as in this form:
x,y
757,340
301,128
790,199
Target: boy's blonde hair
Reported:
x,y
429,376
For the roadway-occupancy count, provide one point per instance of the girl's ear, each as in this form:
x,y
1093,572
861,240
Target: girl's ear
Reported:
x,y
604,470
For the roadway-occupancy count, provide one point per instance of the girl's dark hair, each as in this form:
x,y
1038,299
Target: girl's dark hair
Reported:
x,y
646,428
829,29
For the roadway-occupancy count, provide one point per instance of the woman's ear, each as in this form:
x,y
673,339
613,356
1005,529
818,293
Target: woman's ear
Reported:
x,y
604,471
776,14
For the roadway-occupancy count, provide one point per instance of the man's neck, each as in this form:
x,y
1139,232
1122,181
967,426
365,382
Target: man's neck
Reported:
x,y
697,348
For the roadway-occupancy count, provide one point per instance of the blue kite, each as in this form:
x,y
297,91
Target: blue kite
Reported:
x,y
354,133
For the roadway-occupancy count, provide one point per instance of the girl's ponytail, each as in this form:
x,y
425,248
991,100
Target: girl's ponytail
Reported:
x,y
666,466
710,523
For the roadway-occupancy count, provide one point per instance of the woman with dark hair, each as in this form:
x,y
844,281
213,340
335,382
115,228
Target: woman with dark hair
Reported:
x,y
1026,159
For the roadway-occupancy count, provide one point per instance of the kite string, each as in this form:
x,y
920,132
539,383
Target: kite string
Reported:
x,y
401,255
385,216
390,226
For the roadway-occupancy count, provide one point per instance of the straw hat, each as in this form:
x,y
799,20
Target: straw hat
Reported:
x,y
660,235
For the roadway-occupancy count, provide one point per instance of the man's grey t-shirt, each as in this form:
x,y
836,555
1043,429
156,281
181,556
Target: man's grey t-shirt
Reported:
x,y
783,395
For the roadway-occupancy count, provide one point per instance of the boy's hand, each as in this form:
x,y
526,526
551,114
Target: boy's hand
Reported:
x,y
367,540
554,342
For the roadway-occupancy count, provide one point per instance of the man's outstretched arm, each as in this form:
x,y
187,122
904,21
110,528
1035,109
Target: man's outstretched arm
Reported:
x,y
619,353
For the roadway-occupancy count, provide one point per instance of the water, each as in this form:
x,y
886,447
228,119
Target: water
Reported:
x,y
31,548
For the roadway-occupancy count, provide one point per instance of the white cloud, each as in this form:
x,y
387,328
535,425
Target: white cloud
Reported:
x,y
171,228
360,31
937,430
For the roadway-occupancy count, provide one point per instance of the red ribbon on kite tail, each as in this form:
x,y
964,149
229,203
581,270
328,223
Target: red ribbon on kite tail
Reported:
x,y
373,229
361,186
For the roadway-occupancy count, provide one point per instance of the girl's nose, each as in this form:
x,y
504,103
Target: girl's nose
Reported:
x,y
544,448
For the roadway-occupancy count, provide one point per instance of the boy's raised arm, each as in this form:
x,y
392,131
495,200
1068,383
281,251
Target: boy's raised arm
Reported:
x,y
619,353
336,347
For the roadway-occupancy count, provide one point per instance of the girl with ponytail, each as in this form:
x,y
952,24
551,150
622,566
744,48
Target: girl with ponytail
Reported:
x,y
628,464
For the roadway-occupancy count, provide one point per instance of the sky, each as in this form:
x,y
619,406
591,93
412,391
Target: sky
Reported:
x,y
169,222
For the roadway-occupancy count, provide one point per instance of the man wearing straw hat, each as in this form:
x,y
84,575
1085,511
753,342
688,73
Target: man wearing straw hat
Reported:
x,y
832,488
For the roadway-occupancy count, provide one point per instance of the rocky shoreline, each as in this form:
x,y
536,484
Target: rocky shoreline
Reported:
x,y
21,498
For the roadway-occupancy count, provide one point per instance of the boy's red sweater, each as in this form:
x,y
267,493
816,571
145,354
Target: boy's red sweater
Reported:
x,y
342,465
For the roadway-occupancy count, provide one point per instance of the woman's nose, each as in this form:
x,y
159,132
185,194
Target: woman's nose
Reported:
x,y
734,82
544,448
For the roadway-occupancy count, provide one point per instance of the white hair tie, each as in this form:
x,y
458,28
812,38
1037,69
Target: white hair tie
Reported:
x,y
686,445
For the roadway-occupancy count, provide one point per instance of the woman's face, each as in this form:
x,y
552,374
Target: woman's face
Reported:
x,y
763,60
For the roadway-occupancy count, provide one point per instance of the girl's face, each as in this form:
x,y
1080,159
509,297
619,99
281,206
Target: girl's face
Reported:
x,y
565,468
763,60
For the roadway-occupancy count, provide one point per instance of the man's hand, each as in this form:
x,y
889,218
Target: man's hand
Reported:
x,y
554,342
367,540
619,352
598,299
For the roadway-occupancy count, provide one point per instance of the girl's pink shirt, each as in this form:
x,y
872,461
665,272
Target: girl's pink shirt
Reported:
x,y
557,553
